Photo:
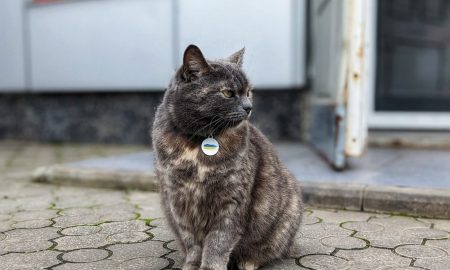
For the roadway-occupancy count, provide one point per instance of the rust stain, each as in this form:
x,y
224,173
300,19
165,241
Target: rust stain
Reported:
x,y
360,52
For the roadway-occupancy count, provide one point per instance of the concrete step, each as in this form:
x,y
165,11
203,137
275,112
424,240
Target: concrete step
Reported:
x,y
405,181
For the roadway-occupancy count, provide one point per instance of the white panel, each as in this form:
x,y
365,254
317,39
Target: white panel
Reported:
x,y
264,27
102,45
12,75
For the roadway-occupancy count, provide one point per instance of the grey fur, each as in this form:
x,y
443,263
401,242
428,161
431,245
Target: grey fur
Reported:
x,y
240,204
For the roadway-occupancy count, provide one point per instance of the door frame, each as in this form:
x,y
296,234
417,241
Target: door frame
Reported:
x,y
390,119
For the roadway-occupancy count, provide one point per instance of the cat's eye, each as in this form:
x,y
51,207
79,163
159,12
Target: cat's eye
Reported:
x,y
227,93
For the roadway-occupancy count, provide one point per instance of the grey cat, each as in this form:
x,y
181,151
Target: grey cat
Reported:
x,y
237,208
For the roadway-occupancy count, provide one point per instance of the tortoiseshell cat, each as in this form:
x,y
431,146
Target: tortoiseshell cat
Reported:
x,y
236,207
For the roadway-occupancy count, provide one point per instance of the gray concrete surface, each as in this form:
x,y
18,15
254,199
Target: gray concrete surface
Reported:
x,y
60,227
416,182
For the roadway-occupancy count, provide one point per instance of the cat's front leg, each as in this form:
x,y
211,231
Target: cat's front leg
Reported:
x,y
217,248
193,251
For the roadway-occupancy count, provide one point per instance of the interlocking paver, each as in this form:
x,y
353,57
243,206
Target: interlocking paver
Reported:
x,y
105,264
86,255
46,214
368,259
5,217
343,242
6,226
37,260
26,246
104,229
20,235
394,233
124,252
420,251
82,241
325,262
128,237
144,263
125,226
81,230
32,224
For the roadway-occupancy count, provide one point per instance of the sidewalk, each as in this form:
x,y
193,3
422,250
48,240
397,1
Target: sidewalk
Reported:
x,y
60,227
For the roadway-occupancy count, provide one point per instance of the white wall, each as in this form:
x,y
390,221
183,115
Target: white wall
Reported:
x,y
265,27
102,45
12,73
119,45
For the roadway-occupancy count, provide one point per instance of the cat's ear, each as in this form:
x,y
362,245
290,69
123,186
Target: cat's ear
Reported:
x,y
194,64
237,57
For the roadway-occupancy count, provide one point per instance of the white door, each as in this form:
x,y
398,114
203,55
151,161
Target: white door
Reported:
x,y
340,78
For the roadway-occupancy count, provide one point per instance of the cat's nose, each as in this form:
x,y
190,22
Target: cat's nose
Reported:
x,y
248,109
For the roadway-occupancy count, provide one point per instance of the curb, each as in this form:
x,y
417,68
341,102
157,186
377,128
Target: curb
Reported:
x,y
433,203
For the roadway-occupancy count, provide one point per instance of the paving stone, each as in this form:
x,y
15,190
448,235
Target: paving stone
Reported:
x,y
441,263
162,234
444,244
368,259
118,227
81,230
343,242
337,216
363,226
427,233
309,220
149,203
8,206
117,207
144,263
83,241
86,255
73,202
323,262
22,235
393,267
128,237
440,224
100,265
70,221
32,224
33,215
286,264
37,260
177,255
5,217
394,232
420,251
6,226
321,230
304,246
27,246
124,252
119,216
35,203
77,211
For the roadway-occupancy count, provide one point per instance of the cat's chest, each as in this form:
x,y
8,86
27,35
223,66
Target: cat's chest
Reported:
x,y
186,167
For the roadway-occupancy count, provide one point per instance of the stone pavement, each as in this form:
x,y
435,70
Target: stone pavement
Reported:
x,y
52,227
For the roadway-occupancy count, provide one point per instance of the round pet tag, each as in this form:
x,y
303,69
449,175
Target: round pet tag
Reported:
x,y
210,146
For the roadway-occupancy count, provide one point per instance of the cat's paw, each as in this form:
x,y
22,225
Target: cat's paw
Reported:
x,y
247,266
191,266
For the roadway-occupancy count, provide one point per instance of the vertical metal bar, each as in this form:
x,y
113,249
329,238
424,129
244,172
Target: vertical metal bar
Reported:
x,y
26,44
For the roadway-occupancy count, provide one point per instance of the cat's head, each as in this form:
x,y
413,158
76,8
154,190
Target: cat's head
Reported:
x,y
206,97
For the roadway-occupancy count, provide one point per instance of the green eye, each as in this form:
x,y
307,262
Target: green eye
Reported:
x,y
227,93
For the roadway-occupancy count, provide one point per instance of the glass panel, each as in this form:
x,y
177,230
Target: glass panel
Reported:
x,y
413,63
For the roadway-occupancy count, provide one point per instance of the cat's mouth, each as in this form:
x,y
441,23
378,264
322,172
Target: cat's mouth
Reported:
x,y
235,118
